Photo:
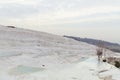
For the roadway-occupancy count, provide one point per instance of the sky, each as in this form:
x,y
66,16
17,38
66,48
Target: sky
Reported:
x,y
98,19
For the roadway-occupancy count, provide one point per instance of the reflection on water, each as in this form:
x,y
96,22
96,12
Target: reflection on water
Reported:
x,y
19,70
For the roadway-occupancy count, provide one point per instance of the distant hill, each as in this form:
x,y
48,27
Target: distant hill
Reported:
x,y
109,45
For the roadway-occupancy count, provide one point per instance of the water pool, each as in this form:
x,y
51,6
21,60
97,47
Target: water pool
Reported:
x,y
19,70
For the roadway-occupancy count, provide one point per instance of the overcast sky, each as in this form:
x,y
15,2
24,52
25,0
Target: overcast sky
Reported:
x,y
99,19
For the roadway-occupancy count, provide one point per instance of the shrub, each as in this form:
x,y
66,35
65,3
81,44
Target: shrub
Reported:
x,y
11,26
104,60
117,64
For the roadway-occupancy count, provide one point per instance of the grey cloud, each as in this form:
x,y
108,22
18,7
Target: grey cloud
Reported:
x,y
17,10
51,6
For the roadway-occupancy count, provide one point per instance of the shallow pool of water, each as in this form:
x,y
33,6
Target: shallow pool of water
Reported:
x,y
25,70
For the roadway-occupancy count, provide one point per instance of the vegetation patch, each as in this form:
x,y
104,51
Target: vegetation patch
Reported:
x,y
11,26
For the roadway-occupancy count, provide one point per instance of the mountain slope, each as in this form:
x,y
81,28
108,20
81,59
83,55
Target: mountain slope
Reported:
x,y
32,55
27,41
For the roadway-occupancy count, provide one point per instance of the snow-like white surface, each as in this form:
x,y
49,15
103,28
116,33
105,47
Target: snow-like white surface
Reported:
x,y
32,55
89,69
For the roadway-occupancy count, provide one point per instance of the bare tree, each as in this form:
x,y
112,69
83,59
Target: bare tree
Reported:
x,y
100,50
